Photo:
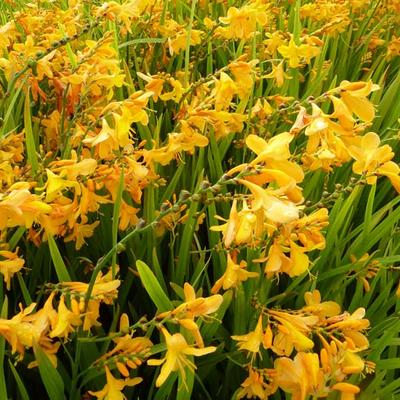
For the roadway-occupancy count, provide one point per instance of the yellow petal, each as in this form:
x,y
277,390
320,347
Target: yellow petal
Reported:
x,y
256,144
360,106
346,387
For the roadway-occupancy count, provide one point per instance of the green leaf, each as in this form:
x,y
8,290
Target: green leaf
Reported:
x,y
184,249
15,238
25,292
186,382
115,220
141,41
8,121
21,387
61,269
3,386
51,378
165,390
389,363
153,288
167,193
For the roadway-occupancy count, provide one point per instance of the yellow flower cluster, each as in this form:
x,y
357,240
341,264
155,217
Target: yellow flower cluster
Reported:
x,y
28,329
340,337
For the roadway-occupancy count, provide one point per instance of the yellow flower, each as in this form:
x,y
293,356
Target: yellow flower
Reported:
x,y
371,159
251,341
71,168
392,171
288,338
175,358
274,40
342,113
113,388
56,184
348,390
274,153
154,84
293,331
277,148
275,209
244,76
286,183
322,310
9,265
192,308
393,49
225,89
277,261
65,322
242,22
26,329
195,307
177,43
278,74
130,351
175,94
233,275
339,360
308,229
244,226
300,377
261,109
80,232
105,141
19,207
255,386
346,321
122,127
187,140
295,53
327,141
354,95
104,290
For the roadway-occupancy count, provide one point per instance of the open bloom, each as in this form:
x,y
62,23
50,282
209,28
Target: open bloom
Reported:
x,y
251,341
243,226
28,329
104,291
233,276
66,321
278,210
372,160
300,377
175,359
10,264
112,389
255,386
354,95
293,331
192,308
296,54
322,310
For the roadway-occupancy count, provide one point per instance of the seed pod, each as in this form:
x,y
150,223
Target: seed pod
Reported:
x,y
33,65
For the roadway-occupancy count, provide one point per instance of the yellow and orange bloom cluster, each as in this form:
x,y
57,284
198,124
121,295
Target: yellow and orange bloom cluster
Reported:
x,y
28,329
192,308
340,337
